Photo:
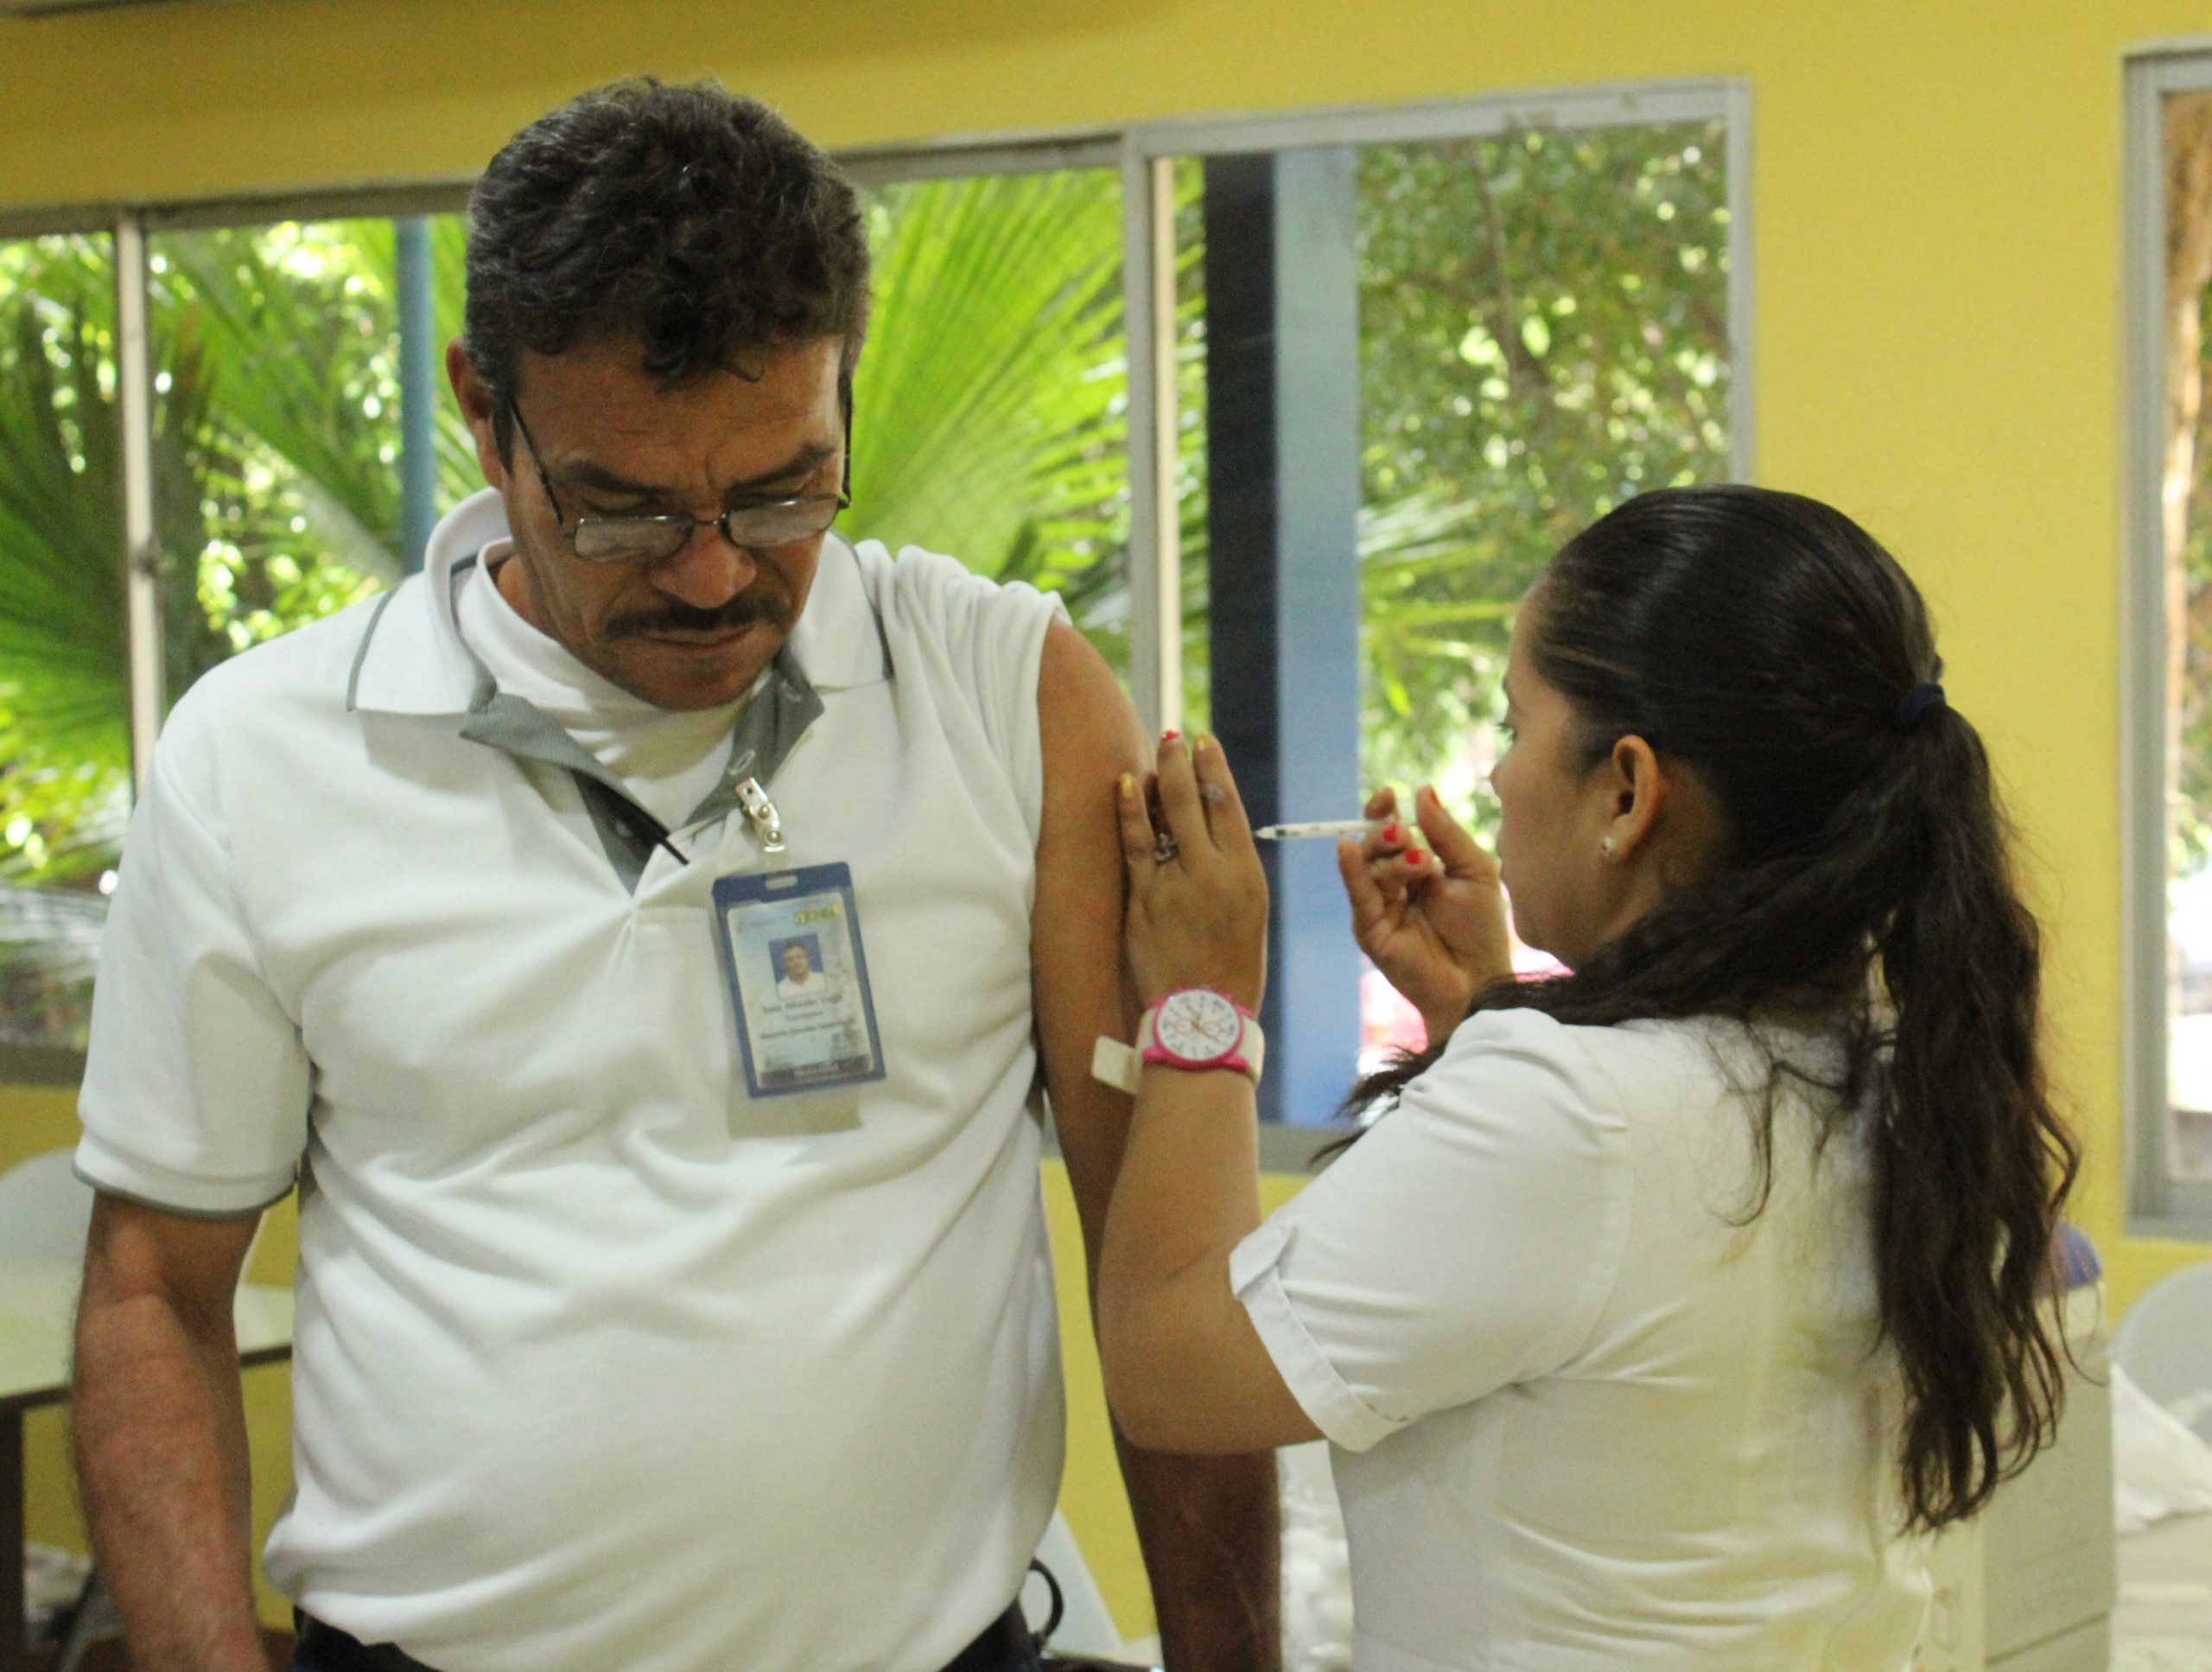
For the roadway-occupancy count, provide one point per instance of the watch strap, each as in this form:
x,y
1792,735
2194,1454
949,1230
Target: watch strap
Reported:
x,y
1114,1064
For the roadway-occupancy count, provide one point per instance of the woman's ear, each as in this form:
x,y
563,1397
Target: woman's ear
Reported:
x,y
1636,789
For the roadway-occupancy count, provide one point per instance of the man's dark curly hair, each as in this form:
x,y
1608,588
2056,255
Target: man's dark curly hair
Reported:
x,y
692,221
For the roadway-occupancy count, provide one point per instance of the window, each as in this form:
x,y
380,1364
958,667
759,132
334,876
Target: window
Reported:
x,y
2168,748
1401,356
284,462
280,356
1382,360
989,407
65,752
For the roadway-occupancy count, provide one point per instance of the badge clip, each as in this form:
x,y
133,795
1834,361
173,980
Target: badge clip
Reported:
x,y
760,813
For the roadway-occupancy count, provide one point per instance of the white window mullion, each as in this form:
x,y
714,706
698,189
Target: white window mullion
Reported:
x,y
1156,510
134,388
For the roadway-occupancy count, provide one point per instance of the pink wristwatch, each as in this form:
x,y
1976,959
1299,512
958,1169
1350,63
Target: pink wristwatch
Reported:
x,y
1194,1028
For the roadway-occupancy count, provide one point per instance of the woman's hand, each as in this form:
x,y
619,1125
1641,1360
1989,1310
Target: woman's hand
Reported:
x,y
1198,914
1433,923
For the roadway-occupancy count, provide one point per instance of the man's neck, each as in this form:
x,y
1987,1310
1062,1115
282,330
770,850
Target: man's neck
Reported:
x,y
513,579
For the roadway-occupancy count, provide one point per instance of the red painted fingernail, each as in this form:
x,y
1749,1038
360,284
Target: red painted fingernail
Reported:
x,y
1394,833
1413,860
1169,737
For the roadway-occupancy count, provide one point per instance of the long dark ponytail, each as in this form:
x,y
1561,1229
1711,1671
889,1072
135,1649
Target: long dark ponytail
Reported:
x,y
1770,644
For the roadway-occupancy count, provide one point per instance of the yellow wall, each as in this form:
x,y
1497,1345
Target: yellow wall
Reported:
x,y
1936,233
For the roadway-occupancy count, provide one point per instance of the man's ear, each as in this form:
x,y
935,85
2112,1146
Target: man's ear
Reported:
x,y
479,411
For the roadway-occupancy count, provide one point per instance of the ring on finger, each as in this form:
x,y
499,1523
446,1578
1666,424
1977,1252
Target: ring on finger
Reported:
x,y
1164,848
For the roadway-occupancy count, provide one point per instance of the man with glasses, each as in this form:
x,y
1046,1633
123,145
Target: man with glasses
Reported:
x,y
645,1323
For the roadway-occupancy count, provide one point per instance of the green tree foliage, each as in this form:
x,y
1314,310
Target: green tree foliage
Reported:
x,y
1543,333
990,403
65,754
63,760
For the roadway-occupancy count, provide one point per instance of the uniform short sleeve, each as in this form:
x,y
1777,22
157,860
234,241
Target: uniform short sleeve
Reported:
x,y
196,1084
1467,1243
994,632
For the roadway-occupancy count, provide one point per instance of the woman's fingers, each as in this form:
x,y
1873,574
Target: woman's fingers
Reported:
x,y
1382,804
1451,840
1136,821
1394,864
1224,809
1179,802
1395,877
1369,907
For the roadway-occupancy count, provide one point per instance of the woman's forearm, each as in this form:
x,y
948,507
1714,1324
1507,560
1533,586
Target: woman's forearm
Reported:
x,y
1187,1194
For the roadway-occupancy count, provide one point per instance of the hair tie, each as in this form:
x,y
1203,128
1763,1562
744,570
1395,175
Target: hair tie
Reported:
x,y
1916,705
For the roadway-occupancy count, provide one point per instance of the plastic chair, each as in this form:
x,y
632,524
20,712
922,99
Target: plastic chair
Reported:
x,y
46,1213
46,1209
2164,1344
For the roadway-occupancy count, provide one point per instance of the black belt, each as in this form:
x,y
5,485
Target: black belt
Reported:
x,y
1005,1642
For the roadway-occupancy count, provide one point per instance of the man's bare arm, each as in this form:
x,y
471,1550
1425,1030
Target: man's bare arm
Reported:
x,y
160,1423
1208,1526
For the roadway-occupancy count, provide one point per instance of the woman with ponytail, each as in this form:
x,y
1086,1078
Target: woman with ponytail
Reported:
x,y
1673,1294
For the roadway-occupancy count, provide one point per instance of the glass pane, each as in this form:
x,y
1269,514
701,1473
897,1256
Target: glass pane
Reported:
x,y
1543,322
65,746
1543,333
2188,500
990,405
277,359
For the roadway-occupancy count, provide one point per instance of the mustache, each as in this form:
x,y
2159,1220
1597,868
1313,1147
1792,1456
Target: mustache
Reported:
x,y
747,609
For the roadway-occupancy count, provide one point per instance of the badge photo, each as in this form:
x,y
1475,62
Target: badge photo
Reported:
x,y
795,972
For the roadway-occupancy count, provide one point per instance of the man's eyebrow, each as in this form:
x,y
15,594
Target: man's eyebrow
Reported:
x,y
597,478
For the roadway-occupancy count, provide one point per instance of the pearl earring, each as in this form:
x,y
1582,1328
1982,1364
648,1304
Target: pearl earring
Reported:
x,y
1605,846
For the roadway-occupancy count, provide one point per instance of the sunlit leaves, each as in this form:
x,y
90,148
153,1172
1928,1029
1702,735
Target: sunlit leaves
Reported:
x,y
990,405
1543,334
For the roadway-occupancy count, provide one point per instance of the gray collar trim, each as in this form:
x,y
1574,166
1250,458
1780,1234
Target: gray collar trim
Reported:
x,y
767,730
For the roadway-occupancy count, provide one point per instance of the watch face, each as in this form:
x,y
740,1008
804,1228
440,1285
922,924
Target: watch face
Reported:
x,y
1197,1026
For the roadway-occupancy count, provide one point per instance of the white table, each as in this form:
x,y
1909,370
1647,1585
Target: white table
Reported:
x,y
38,1304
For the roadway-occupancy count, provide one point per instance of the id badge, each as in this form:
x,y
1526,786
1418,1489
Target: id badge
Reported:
x,y
797,979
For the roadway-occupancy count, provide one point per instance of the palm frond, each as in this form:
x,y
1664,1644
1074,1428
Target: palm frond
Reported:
x,y
989,403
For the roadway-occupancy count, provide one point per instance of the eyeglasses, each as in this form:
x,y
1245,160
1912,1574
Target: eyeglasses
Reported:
x,y
761,526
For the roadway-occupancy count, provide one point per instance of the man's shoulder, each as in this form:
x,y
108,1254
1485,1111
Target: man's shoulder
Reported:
x,y
306,668
929,592
256,723
257,717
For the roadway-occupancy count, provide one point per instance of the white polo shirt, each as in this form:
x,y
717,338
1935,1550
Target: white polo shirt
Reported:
x,y
1589,1413
601,1364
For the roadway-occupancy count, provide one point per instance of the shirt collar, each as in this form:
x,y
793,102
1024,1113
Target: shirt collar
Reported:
x,y
412,659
